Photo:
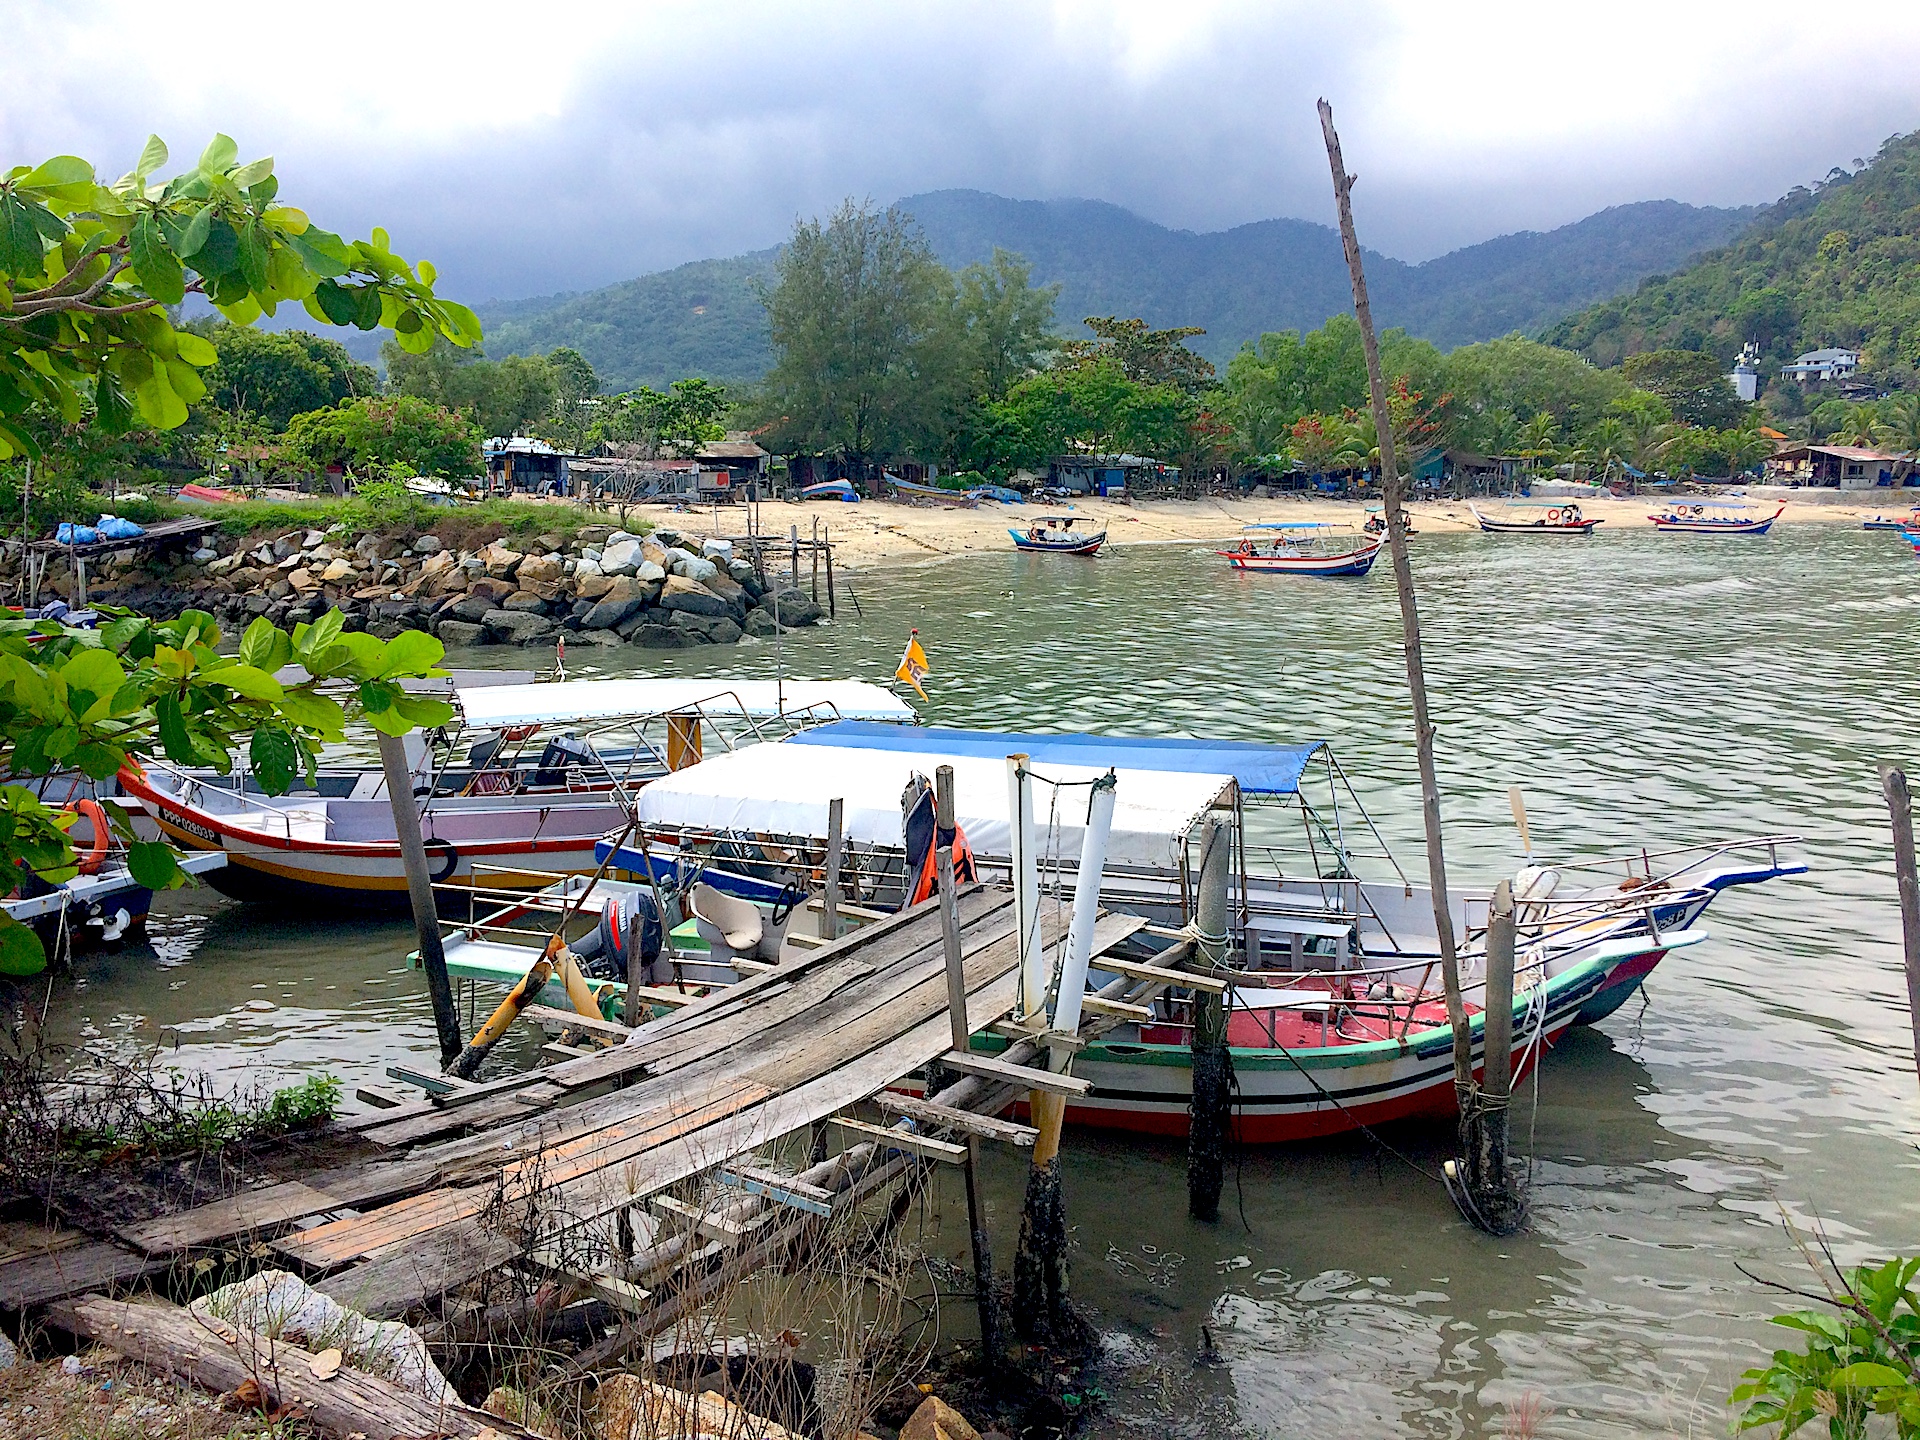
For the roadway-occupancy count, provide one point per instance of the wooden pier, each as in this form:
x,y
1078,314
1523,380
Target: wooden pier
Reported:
x,y
545,1170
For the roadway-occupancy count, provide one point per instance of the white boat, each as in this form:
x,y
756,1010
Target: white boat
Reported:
x,y
1323,549
531,777
1535,517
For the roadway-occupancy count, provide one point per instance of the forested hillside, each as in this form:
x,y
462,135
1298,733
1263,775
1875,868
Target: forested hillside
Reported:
x,y
1834,264
705,318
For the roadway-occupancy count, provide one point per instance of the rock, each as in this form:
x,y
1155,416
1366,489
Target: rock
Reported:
x,y
600,637
313,538
742,573
263,555
337,571
720,551
256,605
730,591
509,1404
613,611
501,562
526,601
687,595
226,564
711,629
290,563
661,637
691,566
667,536
385,629
471,608
9,1357
937,1420
516,627
621,557
759,623
549,542
794,607
428,545
594,534
593,586
540,569
285,545
372,548
205,556
650,573
491,588
279,590
654,551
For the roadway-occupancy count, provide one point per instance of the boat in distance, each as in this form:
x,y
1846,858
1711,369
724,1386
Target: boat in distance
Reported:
x,y
1320,548
1536,517
1058,534
1714,517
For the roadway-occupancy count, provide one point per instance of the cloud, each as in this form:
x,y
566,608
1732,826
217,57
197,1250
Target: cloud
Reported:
x,y
527,150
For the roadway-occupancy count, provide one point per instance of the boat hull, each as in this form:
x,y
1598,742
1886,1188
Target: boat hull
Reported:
x,y
1510,527
1085,545
1324,567
1687,525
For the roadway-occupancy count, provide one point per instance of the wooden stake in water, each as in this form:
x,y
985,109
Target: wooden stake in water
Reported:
x,y
1212,1062
426,918
961,1033
1893,784
1393,496
1495,1184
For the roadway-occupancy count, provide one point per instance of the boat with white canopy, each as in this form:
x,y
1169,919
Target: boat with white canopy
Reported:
x,y
521,785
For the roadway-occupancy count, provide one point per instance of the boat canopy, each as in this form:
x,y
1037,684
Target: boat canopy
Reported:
x,y
768,790
579,702
1259,769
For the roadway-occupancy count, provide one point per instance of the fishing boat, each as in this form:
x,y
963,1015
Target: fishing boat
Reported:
x,y
933,494
1319,548
1535,517
1060,534
1715,517
519,790
1909,521
1335,1017
830,490
1003,494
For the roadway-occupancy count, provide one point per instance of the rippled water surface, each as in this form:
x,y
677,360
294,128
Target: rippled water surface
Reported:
x,y
1644,689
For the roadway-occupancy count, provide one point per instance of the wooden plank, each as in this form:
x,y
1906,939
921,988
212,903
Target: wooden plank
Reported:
x,y
1022,1075
922,1145
1139,970
708,1223
987,1127
567,1052
430,1081
21,1239
390,1286
167,1339
272,1206
380,1097
1116,1009
73,1270
558,1019
781,1189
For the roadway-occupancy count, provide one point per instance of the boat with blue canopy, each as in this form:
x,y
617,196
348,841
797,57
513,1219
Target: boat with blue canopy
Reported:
x,y
1320,548
1534,517
1060,534
1714,517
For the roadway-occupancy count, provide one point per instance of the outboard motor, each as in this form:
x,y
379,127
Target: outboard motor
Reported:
x,y
626,921
560,754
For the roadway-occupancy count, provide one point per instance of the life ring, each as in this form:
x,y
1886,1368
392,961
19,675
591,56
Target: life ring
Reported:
x,y
1553,515
453,860
95,814
514,734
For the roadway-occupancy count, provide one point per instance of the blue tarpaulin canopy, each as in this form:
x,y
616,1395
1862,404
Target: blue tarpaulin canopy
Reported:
x,y
1260,769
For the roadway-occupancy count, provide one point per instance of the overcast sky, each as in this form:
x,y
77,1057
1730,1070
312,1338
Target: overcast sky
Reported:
x,y
566,143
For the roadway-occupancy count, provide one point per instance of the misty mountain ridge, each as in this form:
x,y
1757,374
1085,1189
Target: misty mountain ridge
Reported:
x,y
705,318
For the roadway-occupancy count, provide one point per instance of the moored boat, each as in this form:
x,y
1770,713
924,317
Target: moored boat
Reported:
x,y
1535,517
1910,521
1714,517
1060,534
933,494
1318,548
830,490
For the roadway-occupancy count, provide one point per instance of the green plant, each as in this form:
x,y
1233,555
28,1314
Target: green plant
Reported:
x,y
1861,1357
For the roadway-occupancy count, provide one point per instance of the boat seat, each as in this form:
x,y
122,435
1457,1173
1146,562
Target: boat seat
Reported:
x,y
734,928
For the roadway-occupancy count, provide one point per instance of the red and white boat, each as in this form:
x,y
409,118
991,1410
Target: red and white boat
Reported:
x,y
1535,517
1323,549
518,797
1714,517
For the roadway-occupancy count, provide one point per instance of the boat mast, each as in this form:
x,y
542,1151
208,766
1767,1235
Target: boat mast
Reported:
x,y
1393,496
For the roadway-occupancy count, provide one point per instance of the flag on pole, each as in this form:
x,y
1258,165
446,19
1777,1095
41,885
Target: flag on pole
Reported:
x,y
913,665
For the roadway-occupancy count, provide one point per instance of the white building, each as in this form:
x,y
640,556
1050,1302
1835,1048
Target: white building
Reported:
x,y
1818,367
1745,378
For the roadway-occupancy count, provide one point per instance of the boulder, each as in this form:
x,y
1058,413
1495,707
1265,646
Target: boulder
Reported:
x,y
313,538
263,555
455,633
937,1420
650,573
621,557
760,623
592,586
516,627
336,571
661,637
613,611
794,607
472,608
541,569
719,551
205,556
286,545
742,573
710,629
501,562
667,536
428,545
732,592
526,601
681,594
595,534
491,587
279,590
385,629
374,547
654,551
226,564
549,542
600,637
692,567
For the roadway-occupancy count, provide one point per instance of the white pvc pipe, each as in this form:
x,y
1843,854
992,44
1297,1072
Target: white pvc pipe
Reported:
x,y
1026,889
1086,906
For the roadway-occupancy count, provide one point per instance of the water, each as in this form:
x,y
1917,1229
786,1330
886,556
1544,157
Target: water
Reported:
x,y
1643,689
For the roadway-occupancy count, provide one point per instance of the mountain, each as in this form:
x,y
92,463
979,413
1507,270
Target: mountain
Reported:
x,y
1830,264
705,318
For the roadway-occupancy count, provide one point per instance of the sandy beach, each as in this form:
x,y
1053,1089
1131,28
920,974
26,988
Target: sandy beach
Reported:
x,y
889,532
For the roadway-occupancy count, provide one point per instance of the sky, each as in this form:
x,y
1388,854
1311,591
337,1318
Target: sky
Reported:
x,y
536,148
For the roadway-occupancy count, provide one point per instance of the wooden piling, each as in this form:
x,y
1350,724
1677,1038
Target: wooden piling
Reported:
x,y
1893,784
816,559
944,819
1212,1105
1496,1198
836,844
831,610
426,918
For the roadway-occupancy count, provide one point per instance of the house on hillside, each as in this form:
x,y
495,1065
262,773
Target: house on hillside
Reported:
x,y
1844,467
1822,367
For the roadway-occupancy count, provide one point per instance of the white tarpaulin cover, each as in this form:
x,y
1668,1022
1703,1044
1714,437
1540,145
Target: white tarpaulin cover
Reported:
x,y
784,789
574,702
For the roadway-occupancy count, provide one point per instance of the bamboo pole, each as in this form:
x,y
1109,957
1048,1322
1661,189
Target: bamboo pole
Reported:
x,y
1393,497
1893,784
944,823
1211,1061
426,919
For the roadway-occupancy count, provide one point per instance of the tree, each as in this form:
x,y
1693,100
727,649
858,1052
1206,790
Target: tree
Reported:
x,y
1695,385
95,700
575,399
1497,381
1006,322
1899,431
502,397
856,314
677,422
87,271
1093,406
384,431
275,375
1147,357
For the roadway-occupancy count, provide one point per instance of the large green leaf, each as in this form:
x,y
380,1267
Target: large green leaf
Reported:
x,y
410,653
21,952
274,757
265,646
173,730
246,680
152,157
219,155
23,249
313,712
154,865
253,172
158,269
193,237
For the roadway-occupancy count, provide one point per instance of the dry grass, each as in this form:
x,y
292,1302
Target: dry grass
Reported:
x,y
113,1400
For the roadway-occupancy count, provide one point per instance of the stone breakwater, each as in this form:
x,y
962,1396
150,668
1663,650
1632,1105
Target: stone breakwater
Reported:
x,y
665,590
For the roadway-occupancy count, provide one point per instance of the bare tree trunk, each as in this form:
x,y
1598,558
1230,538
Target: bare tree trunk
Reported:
x,y
1393,494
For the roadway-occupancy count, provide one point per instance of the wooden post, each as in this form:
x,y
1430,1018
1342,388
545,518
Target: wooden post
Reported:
x,y
961,1033
1497,1201
1893,783
1393,498
1212,1063
1026,890
426,918
836,842
815,549
831,611
793,559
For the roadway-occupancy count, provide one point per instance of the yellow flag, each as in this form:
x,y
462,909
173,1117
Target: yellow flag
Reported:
x,y
913,665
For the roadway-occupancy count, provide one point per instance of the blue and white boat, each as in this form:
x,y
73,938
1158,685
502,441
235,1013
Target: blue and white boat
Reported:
x,y
1060,534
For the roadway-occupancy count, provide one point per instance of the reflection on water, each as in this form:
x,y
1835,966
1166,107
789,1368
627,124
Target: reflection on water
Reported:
x,y
1642,689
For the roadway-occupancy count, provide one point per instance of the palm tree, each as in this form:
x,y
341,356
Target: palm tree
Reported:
x,y
1607,445
1538,439
1647,444
1898,430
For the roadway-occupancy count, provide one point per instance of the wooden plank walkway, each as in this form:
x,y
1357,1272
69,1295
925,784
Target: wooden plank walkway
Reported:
x,y
466,1182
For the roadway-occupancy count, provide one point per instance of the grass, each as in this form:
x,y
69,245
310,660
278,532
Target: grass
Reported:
x,y
111,1399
